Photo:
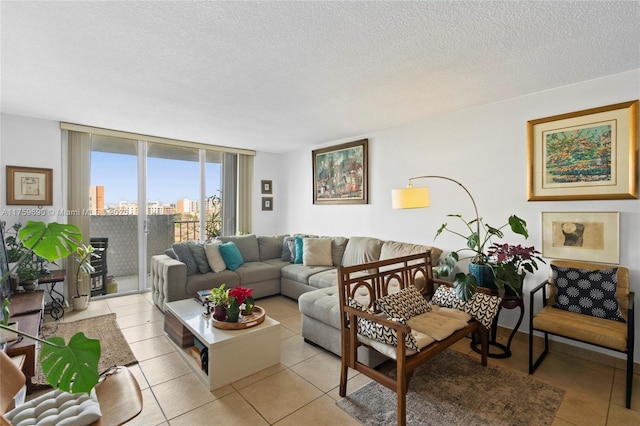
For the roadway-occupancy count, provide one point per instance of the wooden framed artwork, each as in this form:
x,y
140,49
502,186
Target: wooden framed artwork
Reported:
x,y
29,186
267,203
266,187
584,155
587,236
340,174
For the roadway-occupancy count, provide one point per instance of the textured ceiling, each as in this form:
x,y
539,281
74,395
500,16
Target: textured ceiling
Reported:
x,y
275,76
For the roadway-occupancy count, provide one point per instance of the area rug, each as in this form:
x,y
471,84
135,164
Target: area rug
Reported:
x,y
114,347
454,389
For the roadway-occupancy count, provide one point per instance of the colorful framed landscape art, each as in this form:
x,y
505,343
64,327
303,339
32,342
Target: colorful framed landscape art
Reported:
x,y
584,155
29,186
340,174
587,236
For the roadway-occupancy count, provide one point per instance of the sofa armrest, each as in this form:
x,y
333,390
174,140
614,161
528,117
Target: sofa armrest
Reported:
x,y
168,280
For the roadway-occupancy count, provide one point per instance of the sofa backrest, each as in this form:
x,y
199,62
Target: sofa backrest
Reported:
x,y
247,245
361,250
392,249
270,246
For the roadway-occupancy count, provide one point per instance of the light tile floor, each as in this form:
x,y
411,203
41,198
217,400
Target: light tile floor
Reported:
x,y
303,388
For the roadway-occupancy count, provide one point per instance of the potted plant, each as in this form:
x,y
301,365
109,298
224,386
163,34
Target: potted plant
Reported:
x,y
510,264
219,297
5,334
82,256
476,235
237,297
71,367
28,266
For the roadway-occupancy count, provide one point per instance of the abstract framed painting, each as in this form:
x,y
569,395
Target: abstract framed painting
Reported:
x,y
587,236
340,174
584,155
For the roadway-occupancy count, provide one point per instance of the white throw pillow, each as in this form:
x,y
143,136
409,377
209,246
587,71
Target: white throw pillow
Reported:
x,y
216,262
57,408
316,252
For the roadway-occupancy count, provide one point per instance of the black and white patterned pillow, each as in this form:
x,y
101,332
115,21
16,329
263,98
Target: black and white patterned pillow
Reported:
x,y
382,333
406,303
482,307
587,292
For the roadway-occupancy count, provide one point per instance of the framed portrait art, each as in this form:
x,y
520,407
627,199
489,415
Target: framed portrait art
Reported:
x,y
266,187
29,186
340,174
587,236
584,155
267,204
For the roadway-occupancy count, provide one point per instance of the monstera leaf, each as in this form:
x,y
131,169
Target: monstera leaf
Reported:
x,y
52,241
465,286
72,368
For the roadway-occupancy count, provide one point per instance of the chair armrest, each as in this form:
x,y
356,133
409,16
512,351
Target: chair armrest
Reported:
x,y
538,287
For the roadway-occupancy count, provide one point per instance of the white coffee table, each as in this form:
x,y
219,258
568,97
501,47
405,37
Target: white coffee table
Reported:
x,y
233,354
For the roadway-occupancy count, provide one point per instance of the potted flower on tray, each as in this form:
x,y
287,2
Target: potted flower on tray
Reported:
x,y
242,295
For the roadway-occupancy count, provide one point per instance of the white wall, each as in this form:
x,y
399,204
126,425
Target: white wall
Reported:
x,y
485,149
265,167
30,142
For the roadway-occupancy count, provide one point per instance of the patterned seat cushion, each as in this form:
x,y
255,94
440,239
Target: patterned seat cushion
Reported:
x,y
482,307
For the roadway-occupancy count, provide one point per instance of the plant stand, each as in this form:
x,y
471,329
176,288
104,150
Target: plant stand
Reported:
x,y
509,301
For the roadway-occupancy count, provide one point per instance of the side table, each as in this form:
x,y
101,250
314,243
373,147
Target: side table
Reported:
x,y
57,298
509,301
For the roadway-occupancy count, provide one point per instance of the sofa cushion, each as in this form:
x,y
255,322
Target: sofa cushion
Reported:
x,y
252,272
210,280
199,255
391,249
587,292
316,252
184,255
216,262
172,254
338,245
247,245
301,273
270,247
298,250
361,250
231,255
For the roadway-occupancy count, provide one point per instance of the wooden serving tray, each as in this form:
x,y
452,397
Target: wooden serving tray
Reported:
x,y
257,317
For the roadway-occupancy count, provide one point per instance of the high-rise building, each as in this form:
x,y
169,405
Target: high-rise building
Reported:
x,y
96,199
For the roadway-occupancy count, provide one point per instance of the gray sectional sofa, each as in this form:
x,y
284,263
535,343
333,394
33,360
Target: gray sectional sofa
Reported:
x,y
269,270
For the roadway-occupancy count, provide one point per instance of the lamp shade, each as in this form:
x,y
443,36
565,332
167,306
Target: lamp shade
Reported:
x,y
410,198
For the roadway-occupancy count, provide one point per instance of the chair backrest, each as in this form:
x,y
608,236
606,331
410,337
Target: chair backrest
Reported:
x,y
11,381
370,281
622,289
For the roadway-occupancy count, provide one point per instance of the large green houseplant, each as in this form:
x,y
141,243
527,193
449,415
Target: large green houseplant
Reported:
x,y
477,235
71,367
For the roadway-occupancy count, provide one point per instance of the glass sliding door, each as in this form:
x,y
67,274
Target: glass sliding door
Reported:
x,y
113,196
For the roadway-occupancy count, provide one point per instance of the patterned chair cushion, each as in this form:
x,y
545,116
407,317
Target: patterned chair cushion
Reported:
x,y
482,307
587,292
382,333
406,303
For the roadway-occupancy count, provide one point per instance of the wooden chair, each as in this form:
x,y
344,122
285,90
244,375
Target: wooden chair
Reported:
x,y
374,280
118,393
604,333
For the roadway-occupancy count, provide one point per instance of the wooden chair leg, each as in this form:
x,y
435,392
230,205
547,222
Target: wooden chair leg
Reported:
x,y
629,378
344,369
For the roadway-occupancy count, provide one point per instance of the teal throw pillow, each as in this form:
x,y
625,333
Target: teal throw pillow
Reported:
x,y
231,255
298,248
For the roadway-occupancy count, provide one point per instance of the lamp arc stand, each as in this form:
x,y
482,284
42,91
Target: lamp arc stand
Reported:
x,y
475,207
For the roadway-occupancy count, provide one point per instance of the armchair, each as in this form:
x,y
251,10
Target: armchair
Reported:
x,y
605,333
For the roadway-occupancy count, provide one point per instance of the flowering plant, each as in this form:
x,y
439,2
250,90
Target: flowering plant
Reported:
x,y
240,294
511,263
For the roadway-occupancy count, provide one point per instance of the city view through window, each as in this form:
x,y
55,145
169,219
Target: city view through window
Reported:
x,y
172,185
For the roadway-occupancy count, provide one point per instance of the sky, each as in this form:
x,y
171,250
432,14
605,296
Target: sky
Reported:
x,y
167,180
